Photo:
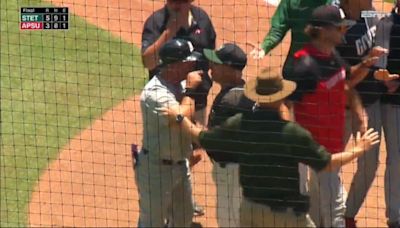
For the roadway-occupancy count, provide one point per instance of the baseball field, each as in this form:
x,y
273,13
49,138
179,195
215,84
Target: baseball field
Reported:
x,y
69,112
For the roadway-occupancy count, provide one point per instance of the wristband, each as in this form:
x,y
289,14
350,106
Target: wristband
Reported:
x,y
179,118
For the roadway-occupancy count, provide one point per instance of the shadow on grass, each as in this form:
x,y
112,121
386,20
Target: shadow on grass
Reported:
x,y
53,85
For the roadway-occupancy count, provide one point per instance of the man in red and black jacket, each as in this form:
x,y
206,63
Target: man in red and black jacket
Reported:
x,y
320,103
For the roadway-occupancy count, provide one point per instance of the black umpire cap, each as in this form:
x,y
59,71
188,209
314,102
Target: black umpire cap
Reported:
x,y
178,50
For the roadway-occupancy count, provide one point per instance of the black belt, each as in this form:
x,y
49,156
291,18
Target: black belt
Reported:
x,y
171,162
163,161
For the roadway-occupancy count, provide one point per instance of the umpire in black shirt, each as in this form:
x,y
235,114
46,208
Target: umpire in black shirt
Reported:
x,y
180,19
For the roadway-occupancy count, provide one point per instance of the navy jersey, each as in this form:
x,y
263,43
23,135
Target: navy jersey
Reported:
x,y
393,60
229,102
357,43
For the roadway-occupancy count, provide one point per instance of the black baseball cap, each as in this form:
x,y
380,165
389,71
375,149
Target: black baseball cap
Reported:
x,y
229,54
329,15
178,50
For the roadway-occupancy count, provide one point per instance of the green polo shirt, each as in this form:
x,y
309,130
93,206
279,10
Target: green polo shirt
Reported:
x,y
291,15
268,150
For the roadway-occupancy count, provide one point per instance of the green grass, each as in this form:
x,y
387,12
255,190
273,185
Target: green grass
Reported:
x,y
53,85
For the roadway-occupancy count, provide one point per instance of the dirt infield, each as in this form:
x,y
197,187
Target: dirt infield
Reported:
x,y
92,181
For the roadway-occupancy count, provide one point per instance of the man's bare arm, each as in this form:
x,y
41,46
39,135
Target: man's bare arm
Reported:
x,y
150,56
362,145
176,21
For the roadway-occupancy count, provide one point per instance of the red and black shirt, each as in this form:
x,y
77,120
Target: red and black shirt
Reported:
x,y
320,98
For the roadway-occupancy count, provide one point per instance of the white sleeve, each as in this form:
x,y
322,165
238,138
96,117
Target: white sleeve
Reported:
x,y
155,99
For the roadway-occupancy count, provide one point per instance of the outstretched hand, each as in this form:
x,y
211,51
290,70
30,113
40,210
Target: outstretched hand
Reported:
x,y
378,51
257,52
367,140
384,75
374,55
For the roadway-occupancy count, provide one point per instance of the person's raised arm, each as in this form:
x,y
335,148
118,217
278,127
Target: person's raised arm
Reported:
x,y
156,41
360,71
317,157
193,80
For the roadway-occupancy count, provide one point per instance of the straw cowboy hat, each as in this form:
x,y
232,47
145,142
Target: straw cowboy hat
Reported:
x,y
268,88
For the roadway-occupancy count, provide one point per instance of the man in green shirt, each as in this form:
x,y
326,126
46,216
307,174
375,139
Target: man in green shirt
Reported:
x,y
269,150
290,15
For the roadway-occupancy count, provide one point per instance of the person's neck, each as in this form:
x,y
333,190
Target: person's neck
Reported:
x,y
323,46
237,81
270,106
231,84
168,78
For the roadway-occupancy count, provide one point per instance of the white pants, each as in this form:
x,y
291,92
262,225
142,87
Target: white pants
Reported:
x,y
327,199
380,116
257,215
164,193
304,179
229,194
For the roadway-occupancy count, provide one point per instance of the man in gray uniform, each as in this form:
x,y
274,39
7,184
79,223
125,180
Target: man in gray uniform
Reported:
x,y
162,167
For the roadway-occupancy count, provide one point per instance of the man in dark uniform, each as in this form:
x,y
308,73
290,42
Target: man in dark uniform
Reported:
x,y
227,64
359,42
388,36
391,119
180,19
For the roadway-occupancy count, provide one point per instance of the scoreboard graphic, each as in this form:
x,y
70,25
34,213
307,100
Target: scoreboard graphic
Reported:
x,y
43,18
